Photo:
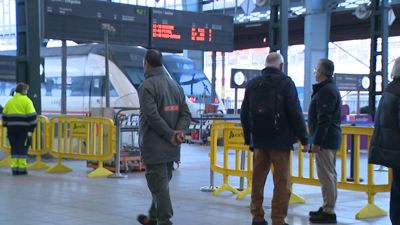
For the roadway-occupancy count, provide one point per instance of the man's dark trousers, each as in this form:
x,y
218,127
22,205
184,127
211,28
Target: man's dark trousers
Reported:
x,y
395,197
158,177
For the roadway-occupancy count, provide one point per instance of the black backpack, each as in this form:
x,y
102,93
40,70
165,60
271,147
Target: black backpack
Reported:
x,y
267,116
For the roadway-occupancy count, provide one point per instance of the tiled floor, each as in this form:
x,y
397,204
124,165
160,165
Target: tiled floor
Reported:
x,y
73,199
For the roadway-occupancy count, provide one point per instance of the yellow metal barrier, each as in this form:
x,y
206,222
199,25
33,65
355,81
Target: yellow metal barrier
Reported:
x,y
233,140
5,146
370,210
39,146
94,136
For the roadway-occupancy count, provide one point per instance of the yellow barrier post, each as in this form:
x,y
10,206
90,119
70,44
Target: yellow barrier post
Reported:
x,y
233,140
89,131
371,210
295,198
5,146
36,148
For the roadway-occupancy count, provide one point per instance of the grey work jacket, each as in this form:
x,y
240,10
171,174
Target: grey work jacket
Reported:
x,y
163,110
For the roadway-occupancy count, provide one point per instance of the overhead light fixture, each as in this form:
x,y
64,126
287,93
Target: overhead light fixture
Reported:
x,y
254,25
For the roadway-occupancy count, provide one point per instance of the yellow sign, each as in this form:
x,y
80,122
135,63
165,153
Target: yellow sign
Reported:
x,y
79,129
236,137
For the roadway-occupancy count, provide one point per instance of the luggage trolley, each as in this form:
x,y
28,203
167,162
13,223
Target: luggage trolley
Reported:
x,y
127,138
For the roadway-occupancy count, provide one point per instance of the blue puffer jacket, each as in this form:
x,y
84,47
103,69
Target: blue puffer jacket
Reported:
x,y
385,142
325,115
292,109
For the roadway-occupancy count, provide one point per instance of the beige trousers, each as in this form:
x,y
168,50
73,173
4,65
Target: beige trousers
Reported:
x,y
326,170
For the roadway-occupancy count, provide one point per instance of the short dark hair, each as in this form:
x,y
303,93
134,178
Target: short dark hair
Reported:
x,y
327,67
20,87
154,58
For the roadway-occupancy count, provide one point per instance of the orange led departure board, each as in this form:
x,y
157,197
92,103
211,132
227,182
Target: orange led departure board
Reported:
x,y
191,30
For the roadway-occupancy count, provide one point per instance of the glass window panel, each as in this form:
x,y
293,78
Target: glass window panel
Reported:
x,y
13,17
1,14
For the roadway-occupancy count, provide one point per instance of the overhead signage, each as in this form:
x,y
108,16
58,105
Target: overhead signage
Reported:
x,y
352,82
172,29
81,20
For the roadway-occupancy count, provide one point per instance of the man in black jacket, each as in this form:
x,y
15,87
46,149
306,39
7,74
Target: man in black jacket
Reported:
x,y
385,143
274,150
324,119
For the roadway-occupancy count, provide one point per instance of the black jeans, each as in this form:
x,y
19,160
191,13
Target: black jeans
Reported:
x,y
395,198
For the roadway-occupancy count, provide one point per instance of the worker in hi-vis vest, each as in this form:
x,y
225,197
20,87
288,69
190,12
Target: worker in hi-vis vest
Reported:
x,y
19,116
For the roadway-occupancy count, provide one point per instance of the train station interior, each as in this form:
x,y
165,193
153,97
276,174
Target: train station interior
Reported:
x,y
83,62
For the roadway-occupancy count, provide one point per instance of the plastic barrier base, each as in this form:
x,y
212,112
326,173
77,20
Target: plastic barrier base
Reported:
x,y
6,162
246,191
370,210
100,172
295,199
225,187
58,168
38,166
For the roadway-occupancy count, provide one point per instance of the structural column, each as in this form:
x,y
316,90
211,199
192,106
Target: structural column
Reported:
x,y
28,49
316,39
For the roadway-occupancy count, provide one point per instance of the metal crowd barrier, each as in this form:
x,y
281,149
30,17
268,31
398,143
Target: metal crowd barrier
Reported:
x,y
370,210
39,147
233,140
94,136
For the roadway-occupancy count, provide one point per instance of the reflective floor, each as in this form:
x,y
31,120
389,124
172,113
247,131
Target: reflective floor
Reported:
x,y
72,198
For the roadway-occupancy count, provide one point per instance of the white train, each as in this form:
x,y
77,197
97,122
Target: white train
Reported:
x,y
86,79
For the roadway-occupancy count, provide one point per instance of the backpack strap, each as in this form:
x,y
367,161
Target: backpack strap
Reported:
x,y
260,79
279,78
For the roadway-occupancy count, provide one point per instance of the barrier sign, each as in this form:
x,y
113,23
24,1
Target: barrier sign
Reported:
x,y
236,137
79,129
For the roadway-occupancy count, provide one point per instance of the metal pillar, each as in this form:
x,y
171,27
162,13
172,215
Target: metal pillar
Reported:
x,y
278,29
28,49
107,28
379,29
214,74
316,39
64,78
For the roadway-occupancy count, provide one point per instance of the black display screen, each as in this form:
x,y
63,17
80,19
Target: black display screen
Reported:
x,y
173,29
81,20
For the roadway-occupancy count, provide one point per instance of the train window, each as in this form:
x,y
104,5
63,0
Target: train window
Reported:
x,y
135,75
181,65
194,84
76,86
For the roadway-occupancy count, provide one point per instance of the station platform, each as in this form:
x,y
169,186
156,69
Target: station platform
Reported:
x,y
73,199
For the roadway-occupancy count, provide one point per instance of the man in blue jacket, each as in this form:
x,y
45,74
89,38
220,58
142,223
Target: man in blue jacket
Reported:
x,y
273,150
324,119
385,142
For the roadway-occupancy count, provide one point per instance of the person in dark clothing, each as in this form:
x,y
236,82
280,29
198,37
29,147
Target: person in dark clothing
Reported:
x,y
324,119
385,143
275,150
163,121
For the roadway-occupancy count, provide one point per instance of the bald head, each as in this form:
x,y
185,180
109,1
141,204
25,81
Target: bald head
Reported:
x,y
397,61
274,60
396,69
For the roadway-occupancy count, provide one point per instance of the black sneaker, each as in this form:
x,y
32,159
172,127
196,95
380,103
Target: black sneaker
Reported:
x,y
23,173
316,213
264,222
324,218
142,219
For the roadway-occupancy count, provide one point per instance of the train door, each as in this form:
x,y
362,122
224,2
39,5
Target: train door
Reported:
x,y
94,86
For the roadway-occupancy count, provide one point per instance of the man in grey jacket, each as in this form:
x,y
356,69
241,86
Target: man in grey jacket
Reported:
x,y
164,119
